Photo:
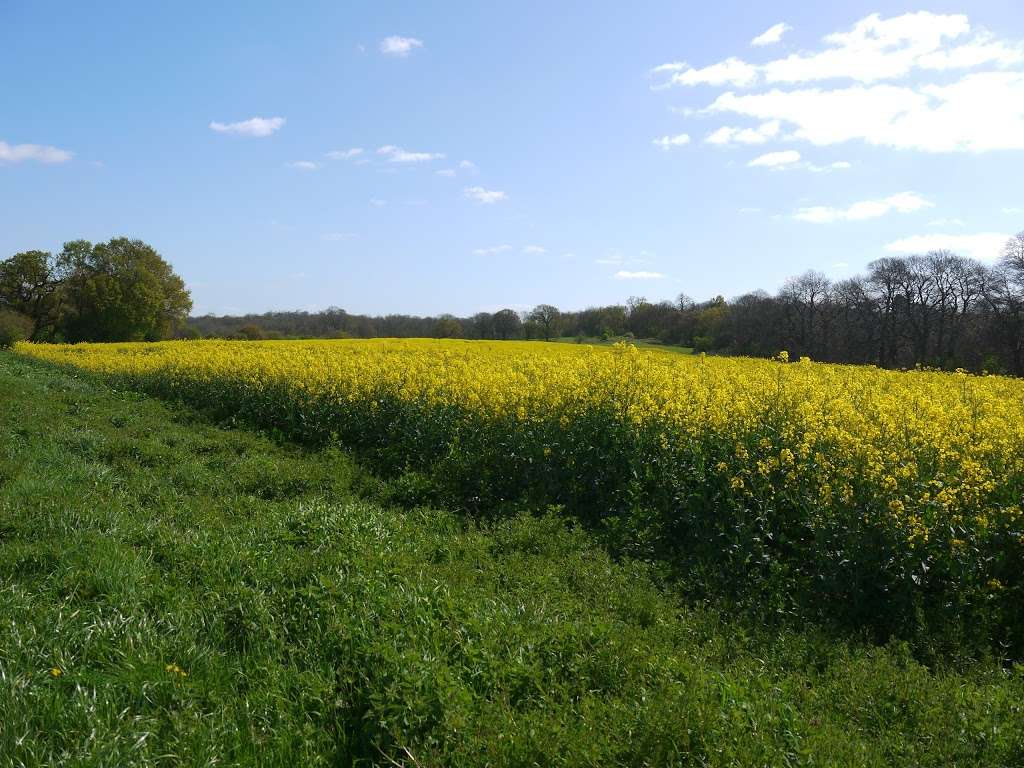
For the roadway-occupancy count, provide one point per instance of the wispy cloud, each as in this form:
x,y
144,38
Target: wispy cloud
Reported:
x,y
985,246
771,35
668,142
463,166
19,153
790,159
534,250
492,250
727,135
398,155
839,165
1013,211
344,154
904,202
615,258
399,46
623,274
732,71
485,196
775,159
335,237
303,165
254,126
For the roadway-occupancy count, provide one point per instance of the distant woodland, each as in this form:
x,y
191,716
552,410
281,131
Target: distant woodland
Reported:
x,y
938,310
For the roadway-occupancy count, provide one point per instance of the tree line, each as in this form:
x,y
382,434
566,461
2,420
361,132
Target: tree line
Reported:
x,y
937,309
121,290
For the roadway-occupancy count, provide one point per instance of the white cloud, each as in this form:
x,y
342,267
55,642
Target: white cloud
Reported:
x,y
398,155
1013,211
463,165
771,35
967,93
980,112
623,274
344,154
874,49
376,202
725,135
732,71
254,126
493,250
485,196
776,159
338,236
839,165
667,142
986,246
534,250
303,165
904,202
18,153
398,46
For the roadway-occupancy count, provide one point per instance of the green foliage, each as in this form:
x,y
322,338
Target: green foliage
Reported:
x,y
176,594
14,327
28,286
121,291
786,557
116,291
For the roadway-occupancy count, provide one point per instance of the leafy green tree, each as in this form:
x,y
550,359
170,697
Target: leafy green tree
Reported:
x,y
29,286
251,331
14,327
546,316
122,290
507,324
448,327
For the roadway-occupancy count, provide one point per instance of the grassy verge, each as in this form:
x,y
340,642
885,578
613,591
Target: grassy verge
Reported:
x,y
641,343
172,593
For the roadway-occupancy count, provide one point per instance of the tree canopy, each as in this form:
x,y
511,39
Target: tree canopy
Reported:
x,y
121,290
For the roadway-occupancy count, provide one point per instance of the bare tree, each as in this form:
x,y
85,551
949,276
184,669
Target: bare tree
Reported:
x,y
804,297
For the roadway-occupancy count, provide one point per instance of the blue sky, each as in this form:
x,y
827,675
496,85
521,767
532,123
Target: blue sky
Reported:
x,y
574,153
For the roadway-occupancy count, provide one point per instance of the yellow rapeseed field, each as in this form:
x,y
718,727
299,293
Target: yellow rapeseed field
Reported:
x,y
824,466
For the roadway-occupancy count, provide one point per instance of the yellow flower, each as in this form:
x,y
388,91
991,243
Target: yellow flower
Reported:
x,y
929,449
56,672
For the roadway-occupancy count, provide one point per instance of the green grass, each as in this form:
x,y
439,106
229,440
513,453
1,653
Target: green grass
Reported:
x,y
209,596
640,343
